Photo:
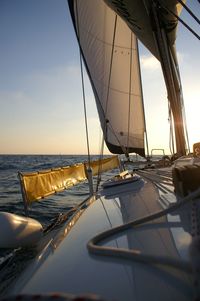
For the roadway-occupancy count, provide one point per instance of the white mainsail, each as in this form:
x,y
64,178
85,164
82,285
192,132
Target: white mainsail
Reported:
x,y
109,50
155,23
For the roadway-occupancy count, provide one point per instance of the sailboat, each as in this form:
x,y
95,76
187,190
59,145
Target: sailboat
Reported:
x,y
136,237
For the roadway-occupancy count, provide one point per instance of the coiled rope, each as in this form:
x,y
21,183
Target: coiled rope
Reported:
x,y
136,255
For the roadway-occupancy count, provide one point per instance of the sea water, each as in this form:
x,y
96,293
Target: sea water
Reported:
x,y
44,210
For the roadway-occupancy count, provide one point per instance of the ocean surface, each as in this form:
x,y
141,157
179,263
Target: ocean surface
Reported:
x,y
45,210
48,208
13,262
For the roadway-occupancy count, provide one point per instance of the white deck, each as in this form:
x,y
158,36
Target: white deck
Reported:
x,y
65,265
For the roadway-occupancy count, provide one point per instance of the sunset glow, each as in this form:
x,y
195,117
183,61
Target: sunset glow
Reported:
x,y
40,84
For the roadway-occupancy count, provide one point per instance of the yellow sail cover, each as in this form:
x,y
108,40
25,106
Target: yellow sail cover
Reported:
x,y
38,185
41,184
104,165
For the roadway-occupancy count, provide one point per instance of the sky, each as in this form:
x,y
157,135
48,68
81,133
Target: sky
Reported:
x,y
41,106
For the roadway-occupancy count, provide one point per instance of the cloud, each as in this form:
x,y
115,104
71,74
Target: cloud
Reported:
x,y
149,62
181,57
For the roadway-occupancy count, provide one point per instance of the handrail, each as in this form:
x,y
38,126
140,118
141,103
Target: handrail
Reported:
x,y
157,149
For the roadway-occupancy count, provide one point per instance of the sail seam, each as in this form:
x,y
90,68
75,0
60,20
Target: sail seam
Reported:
x,y
104,42
83,91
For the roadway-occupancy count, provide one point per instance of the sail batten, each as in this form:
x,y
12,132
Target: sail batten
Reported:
x,y
109,51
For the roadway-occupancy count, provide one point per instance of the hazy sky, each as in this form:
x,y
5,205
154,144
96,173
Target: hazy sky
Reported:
x,y
41,107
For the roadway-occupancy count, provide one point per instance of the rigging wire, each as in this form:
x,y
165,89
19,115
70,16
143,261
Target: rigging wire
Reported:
x,y
111,64
106,107
145,124
100,165
85,111
183,22
171,134
83,89
101,150
184,113
129,100
189,11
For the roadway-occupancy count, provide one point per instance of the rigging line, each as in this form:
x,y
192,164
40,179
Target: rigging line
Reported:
x,y
101,150
129,100
100,156
85,111
186,130
183,22
141,90
83,89
100,165
189,10
107,98
108,90
184,113
110,71
171,134
170,138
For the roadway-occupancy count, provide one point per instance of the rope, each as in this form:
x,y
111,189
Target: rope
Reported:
x,y
135,254
83,90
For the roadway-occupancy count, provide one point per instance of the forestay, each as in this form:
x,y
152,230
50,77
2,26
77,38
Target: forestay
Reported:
x,y
110,53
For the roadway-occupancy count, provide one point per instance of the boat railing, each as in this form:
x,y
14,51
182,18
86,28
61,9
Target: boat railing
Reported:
x,y
161,150
38,185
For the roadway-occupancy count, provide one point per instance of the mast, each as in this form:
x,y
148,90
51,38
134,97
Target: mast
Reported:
x,y
169,64
155,27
